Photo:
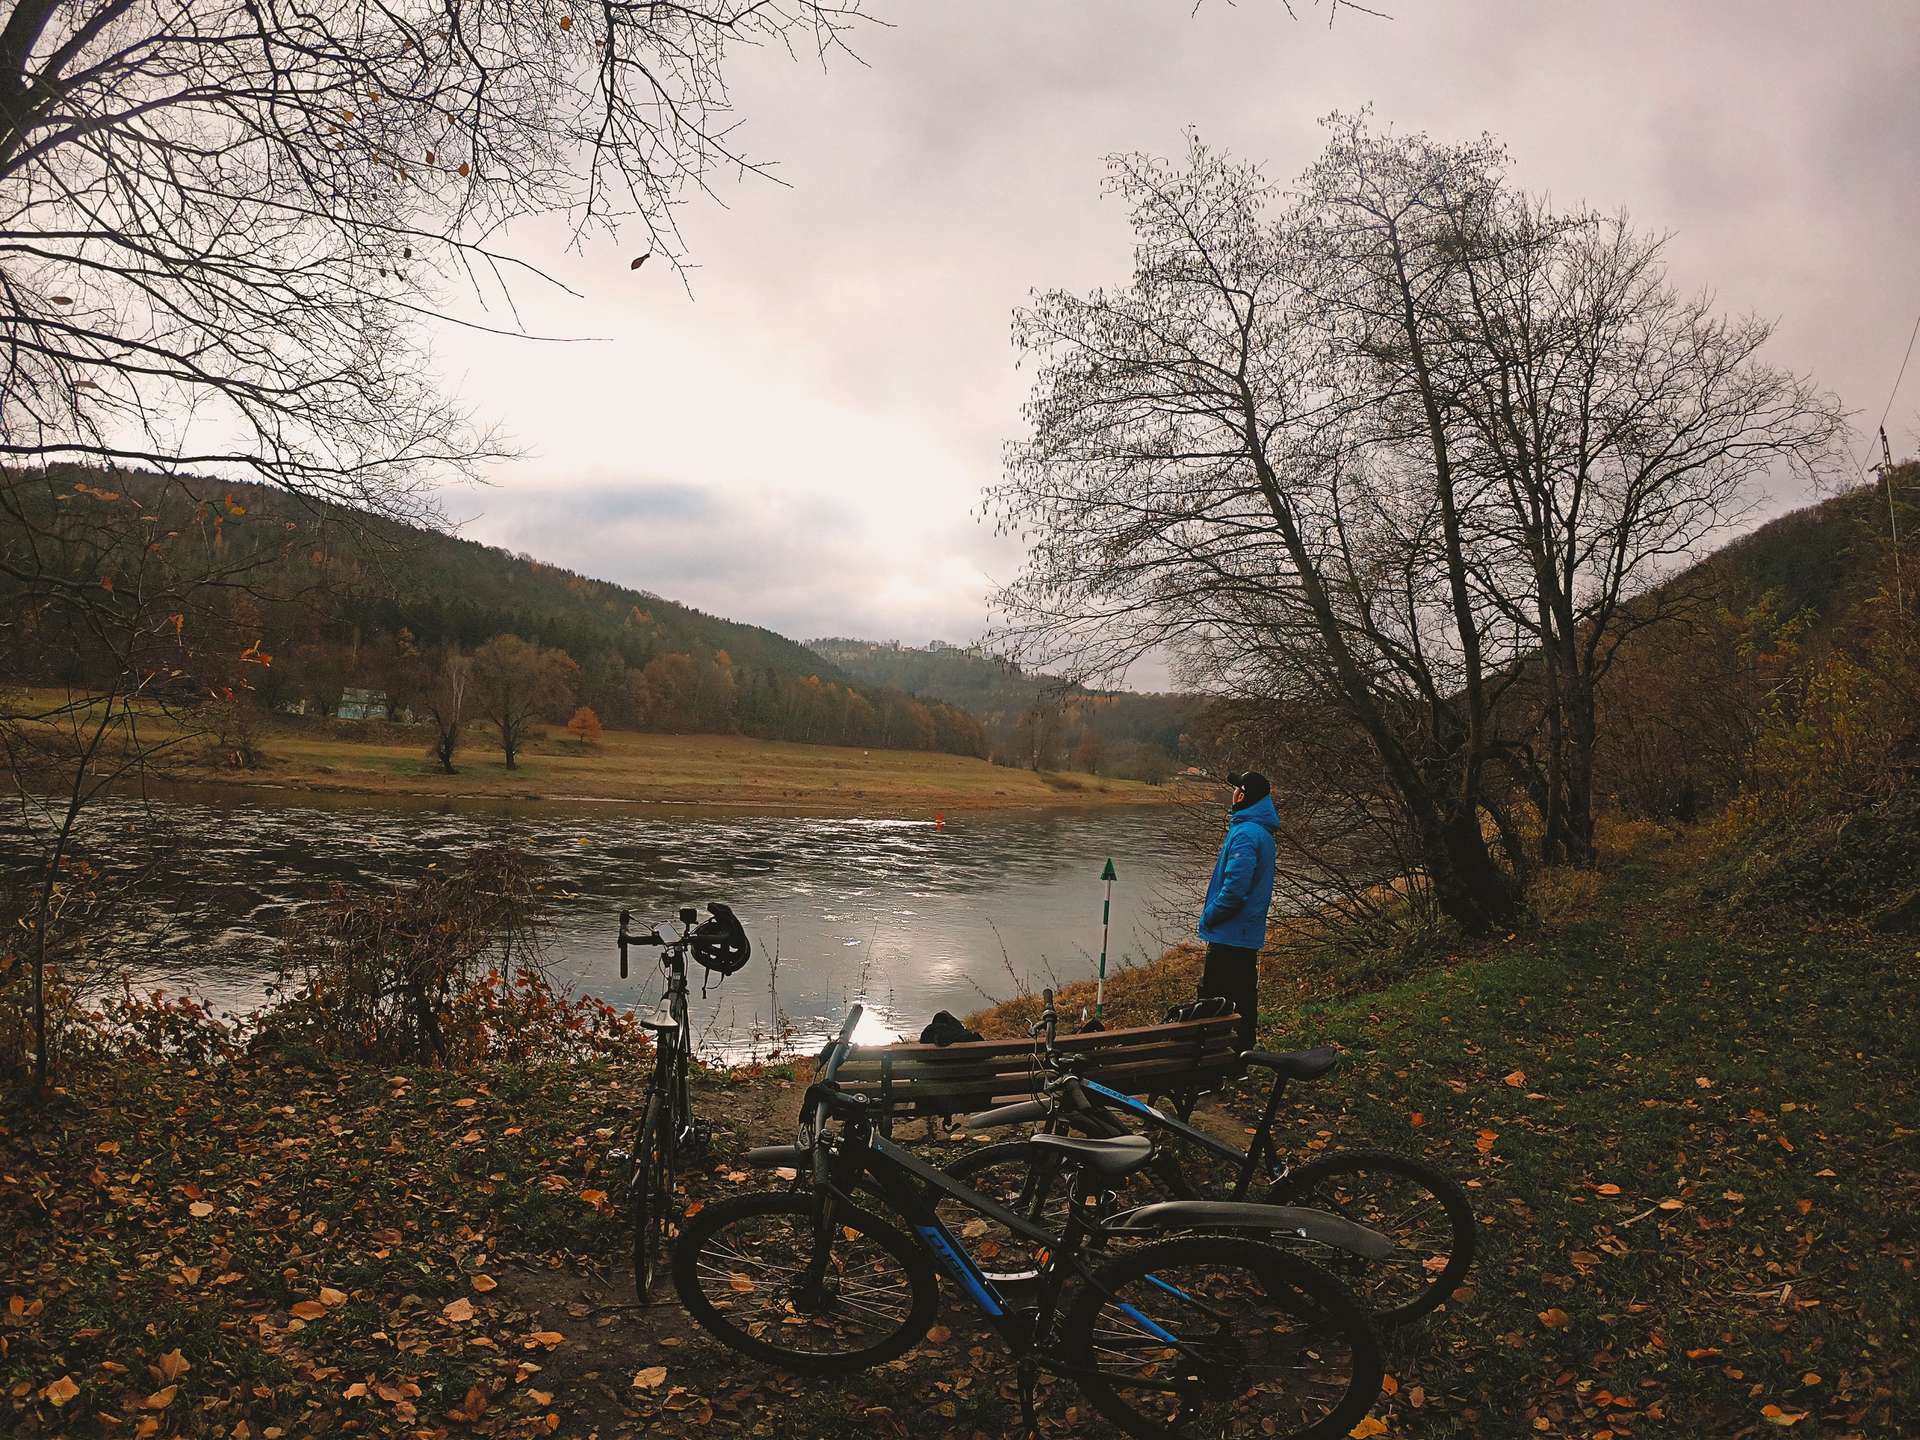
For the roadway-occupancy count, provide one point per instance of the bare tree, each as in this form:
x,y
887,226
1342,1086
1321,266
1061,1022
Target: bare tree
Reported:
x,y
124,600
220,229
447,705
1220,462
1402,447
1612,425
515,684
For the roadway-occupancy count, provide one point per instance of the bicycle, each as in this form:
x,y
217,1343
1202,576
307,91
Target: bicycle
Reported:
x,y
1187,1334
1426,1214
667,1124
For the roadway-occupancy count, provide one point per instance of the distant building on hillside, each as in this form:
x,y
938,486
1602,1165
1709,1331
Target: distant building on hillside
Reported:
x,y
356,704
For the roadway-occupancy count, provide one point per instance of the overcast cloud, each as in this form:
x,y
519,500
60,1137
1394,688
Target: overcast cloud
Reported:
x,y
802,443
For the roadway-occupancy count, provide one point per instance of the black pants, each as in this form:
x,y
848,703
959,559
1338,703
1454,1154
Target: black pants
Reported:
x,y
1233,971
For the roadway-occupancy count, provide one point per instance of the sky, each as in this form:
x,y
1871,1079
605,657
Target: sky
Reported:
x,y
799,436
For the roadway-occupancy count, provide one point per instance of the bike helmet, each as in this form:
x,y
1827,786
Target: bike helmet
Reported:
x,y
720,943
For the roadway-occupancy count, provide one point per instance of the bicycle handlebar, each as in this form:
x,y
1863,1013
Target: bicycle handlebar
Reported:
x,y
652,937
1049,1019
836,1055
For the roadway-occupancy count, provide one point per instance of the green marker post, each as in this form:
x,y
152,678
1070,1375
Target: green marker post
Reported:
x,y
1106,925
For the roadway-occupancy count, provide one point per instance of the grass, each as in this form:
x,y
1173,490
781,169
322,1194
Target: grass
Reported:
x,y
718,770
1693,1153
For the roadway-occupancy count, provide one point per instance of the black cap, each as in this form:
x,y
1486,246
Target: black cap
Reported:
x,y
1252,782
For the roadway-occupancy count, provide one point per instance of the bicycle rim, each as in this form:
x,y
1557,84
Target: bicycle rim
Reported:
x,y
1425,1214
741,1271
1217,1336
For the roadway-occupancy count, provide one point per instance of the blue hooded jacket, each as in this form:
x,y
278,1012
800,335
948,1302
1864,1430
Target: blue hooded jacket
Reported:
x,y
1242,886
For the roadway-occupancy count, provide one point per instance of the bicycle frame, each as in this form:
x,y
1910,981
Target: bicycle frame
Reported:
x,y
1088,1103
671,1046
865,1159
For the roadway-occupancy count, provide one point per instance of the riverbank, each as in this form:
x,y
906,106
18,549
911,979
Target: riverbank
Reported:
x,y
732,771
1692,1145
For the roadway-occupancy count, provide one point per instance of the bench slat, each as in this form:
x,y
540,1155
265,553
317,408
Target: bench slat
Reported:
x,y
913,1080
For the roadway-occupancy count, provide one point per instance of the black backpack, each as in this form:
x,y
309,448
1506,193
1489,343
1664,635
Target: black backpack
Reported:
x,y
945,1028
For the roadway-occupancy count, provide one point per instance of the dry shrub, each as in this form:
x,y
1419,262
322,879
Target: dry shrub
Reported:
x,y
446,971
1831,821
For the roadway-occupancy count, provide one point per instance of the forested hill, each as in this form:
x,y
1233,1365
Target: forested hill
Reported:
x,y
1031,719
344,601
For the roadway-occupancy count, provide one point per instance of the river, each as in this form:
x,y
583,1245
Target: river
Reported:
x,y
906,916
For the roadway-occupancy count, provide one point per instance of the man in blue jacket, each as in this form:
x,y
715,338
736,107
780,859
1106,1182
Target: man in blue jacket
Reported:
x,y
1233,921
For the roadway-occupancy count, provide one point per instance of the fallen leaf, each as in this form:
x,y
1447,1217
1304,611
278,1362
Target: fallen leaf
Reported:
x,y
458,1311
548,1338
1484,1141
651,1378
330,1297
1555,1319
1776,1416
308,1309
173,1365
1517,1079
484,1283
200,1209
60,1391
1607,1189
1367,1427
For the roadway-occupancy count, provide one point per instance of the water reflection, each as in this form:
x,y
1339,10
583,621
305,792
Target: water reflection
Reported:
x,y
903,915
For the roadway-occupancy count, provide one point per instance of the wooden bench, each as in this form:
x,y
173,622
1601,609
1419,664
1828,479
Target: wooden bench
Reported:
x,y
929,1082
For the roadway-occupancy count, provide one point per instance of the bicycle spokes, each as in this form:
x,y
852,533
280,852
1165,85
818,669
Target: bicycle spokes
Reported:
x,y
1217,1349
759,1272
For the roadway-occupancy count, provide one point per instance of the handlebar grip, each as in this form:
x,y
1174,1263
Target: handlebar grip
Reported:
x,y
1048,1015
625,916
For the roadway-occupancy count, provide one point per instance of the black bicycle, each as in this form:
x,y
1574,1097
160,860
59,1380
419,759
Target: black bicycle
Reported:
x,y
667,1125
1424,1213
1201,1334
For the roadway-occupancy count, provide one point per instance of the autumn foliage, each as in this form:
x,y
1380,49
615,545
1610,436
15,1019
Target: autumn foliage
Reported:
x,y
585,726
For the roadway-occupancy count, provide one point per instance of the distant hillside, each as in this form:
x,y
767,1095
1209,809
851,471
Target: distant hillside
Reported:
x,y
344,601
1031,720
1823,559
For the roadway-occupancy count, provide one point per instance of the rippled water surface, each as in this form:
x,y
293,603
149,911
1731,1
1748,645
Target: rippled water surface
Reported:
x,y
906,916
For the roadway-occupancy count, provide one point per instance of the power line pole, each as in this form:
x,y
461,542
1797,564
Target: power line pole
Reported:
x,y
1893,522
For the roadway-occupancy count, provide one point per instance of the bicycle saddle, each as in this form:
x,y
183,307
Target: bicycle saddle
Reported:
x,y
1109,1159
1295,1064
660,1017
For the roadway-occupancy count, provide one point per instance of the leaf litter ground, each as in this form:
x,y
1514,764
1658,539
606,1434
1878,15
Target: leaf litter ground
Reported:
x,y
1693,1150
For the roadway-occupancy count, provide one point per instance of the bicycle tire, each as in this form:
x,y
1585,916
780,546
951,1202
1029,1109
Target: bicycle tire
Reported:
x,y
650,1196
706,1255
1308,1314
1337,1184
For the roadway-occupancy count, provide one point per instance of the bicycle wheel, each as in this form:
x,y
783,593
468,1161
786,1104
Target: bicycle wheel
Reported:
x,y
739,1268
1214,1335
1031,1181
650,1195
1425,1214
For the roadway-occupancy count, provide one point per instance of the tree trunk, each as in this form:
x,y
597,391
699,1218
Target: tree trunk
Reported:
x,y
1468,884
1580,849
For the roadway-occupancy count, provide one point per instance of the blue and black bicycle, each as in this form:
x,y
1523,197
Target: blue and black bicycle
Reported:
x,y
1184,1334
